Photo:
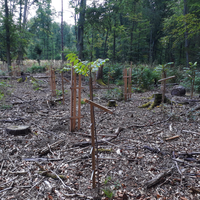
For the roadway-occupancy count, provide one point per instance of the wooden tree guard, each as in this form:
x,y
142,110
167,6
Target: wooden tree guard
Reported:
x,y
127,94
73,113
92,105
53,82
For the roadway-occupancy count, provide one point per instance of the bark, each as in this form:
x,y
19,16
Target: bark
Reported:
x,y
62,43
100,73
186,36
7,35
81,22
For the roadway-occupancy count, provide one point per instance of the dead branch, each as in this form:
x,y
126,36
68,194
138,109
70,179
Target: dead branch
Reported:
x,y
53,146
159,178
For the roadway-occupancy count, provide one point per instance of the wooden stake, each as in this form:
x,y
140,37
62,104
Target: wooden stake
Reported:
x,y
125,84
92,134
98,106
79,102
71,101
63,88
74,101
129,83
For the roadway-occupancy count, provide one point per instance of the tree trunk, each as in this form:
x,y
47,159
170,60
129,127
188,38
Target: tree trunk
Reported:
x,y
7,25
62,43
186,35
100,73
81,29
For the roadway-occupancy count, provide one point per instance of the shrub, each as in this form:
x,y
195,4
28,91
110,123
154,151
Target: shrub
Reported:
x,y
144,76
36,69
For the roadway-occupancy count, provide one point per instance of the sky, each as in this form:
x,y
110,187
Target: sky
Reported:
x,y
68,12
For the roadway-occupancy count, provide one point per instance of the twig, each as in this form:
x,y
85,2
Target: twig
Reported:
x,y
62,182
185,131
5,189
36,184
8,181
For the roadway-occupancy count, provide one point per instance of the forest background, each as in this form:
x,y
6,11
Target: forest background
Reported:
x,y
137,31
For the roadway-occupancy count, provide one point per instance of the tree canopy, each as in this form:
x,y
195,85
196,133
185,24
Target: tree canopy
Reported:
x,y
140,31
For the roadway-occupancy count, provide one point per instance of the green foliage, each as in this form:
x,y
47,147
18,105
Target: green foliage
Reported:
x,y
113,72
58,92
84,67
3,93
36,69
107,191
82,102
2,73
144,76
190,78
115,93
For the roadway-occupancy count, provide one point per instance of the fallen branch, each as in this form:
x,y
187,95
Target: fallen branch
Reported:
x,y
159,178
53,146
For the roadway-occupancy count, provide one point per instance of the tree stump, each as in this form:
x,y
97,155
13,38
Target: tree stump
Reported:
x,y
112,103
178,90
18,130
155,100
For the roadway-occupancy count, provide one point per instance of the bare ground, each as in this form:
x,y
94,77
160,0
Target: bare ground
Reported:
x,y
143,150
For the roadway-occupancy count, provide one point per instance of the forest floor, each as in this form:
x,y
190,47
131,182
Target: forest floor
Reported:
x,y
156,154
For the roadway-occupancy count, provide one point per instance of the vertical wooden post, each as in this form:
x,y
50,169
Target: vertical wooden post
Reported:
x,y
79,102
129,83
63,88
73,113
53,82
163,86
92,134
72,102
125,84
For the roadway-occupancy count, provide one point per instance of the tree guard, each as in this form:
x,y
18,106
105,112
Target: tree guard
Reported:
x,y
73,112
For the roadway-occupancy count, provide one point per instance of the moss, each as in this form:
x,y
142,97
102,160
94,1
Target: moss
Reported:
x,y
155,100
100,82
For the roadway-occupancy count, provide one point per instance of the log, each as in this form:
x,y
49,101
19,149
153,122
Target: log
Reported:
x,y
18,130
178,90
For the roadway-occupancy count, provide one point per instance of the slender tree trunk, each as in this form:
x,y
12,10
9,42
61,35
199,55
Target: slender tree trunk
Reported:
x,y
62,43
7,21
81,29
114,44
105,45
186,35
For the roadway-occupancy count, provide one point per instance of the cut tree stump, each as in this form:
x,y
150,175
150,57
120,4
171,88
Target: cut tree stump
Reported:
x,y
178,90
18,130
112,103
155,100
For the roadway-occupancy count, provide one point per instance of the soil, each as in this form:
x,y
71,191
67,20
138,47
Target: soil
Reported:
x,y
150,144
